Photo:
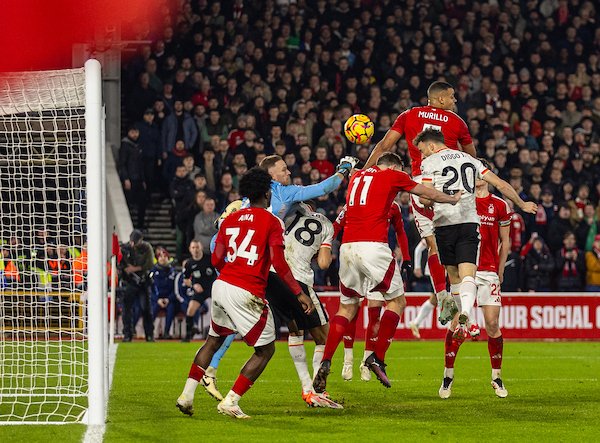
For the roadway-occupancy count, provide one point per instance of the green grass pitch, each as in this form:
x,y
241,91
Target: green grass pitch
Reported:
x,y
553,396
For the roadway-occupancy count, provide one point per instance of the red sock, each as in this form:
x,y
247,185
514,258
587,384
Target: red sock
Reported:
x,y
350,332
196,372
437,272
387,329
337,326
372,328
451,350
241,385
495,347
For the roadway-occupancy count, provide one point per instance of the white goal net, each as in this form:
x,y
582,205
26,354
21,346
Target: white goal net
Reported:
x,y
45,210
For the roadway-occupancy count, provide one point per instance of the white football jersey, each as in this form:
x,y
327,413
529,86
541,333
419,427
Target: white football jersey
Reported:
x,y
306,232
451,171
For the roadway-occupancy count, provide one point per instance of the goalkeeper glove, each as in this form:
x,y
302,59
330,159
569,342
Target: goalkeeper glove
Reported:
x,y
408,267
346,164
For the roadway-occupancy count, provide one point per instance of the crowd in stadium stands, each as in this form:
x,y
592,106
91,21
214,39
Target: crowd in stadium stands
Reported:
x,y
226,83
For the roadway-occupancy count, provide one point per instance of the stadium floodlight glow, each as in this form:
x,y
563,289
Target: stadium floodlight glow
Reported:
x,y
53,365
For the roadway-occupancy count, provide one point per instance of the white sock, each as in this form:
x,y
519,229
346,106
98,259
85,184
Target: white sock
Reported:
x,y
317,357
455,291
348,355
449,372
366,355
468,294
298,354
211,372
495,374
424,312
232,398
190,388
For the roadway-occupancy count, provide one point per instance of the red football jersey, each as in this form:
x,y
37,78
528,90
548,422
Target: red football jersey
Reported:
x,y
248,234
370,195
493,212
412,121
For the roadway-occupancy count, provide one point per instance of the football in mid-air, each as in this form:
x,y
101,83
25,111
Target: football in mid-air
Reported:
x,y
359,129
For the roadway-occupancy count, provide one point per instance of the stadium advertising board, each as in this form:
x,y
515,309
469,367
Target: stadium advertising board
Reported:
x,y
535,316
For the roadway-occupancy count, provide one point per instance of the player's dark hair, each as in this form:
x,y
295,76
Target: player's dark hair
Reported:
x,y
437,87
389,159
269,161
255,183
311,204
429,135
486,163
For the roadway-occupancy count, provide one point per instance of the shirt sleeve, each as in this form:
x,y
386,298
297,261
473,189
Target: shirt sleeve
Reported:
x,y
327,232
276,232
463,133
480,168
426,172
402,181
400,122
504,213
339,223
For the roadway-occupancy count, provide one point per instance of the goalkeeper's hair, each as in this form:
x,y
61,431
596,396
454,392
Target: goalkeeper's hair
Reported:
x,y
437,87
255,183
269,161
389,159
429,135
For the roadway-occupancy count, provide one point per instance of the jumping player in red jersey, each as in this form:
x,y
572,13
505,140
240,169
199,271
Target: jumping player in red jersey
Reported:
x,y
251,240
495,215
438,115
367,264
375,304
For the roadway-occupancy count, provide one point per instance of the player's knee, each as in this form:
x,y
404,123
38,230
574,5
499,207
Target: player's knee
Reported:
x,y
265,352
492,327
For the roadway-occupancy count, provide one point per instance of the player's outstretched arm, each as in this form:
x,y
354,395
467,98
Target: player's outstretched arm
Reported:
x,y
385,145
217,258
284,272
509,192
435,195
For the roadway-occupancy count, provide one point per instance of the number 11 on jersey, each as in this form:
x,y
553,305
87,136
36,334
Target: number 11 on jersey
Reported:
x,y
365,189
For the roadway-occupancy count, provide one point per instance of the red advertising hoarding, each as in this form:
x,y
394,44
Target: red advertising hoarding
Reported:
x,y
534,316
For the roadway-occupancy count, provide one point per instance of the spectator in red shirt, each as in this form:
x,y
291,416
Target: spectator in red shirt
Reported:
x,y
325,167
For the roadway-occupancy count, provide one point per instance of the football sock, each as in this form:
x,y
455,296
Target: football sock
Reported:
x,y
348,354
298,353
455,291
350,333
317,357
372,329
196,372
449,372
337,326
387,329
189,326
190,388
451,349
468,294
437,272
366,355
424,312
241,386
495,348
221,352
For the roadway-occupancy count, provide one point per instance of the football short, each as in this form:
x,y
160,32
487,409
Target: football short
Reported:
x,y
367,269
458,243
286,306
488,289
423,218
236,310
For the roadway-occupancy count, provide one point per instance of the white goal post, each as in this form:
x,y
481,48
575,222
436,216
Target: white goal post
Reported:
x,y
53,284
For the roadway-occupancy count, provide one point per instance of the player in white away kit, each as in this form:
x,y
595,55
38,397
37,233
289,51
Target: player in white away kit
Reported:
x,y
457,227
438,114
495,216
308,233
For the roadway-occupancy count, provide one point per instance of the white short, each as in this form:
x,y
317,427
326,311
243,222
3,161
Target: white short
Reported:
x,y
236,310
488,289
424,222
367,269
